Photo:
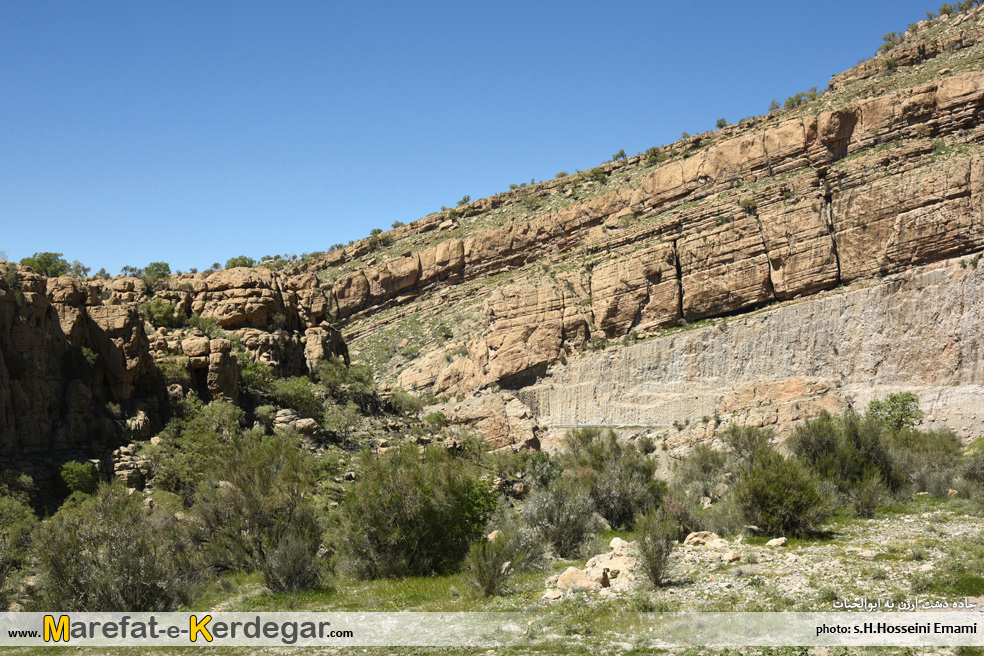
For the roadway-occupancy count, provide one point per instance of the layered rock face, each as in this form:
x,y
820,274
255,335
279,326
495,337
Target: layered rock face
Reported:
x,y
81,372
879,176
918,330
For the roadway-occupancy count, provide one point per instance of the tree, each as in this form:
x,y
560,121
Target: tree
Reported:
x,y
158,270
721,122
78,269
619,155
398,224
897,411
464,200
47,264
774,105
240,261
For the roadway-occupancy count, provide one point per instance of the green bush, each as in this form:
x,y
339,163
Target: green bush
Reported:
x,y
79,477
258,518
106,554
780,496
620,478
973,469
437,419
240,261
174,371
562,515
411,514
721,122
701,474
846,450
656,535
349,383
160,314
868,494
193,445
254,375
295,562
208,325
404,403
341,419
298,394
266,415
491,563
927,461
17,523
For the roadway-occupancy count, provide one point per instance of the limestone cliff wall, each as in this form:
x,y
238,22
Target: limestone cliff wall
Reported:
x,y
919,330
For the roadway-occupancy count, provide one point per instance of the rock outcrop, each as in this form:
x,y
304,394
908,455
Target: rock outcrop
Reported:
x,y
881,175
81,373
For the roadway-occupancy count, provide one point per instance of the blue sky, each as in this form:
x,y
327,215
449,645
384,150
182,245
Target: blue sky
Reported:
x,y
190,132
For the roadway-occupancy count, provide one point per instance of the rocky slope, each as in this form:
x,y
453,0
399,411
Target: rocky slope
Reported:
x,y
878,176
830,248
81,372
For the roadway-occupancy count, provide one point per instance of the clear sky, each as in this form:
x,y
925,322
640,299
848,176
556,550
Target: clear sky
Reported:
x,y
189,132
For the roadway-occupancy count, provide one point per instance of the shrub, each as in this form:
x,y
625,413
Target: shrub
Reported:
x,y
896,411
107,554
562,174
619,478
193,446
721,122
398,224
295,563
701,474
413,514
298,394
464,200
17,523
208,325
491,563
869,493
779,496
749,205
349,383
47,264
266,415
239,261
619,155
973,470
254,375
844,451
258,518
926,460
404,403
79,477
437,419
598,175
746,445
160,314
174,371
341,419
562,515
656,535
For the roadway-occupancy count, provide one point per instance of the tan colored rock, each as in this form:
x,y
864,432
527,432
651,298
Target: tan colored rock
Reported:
x,y
575,580
700,538
195,347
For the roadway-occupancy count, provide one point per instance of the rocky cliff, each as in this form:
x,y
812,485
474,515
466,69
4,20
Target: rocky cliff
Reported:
x,y
81,371
877,177
800,260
